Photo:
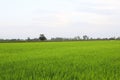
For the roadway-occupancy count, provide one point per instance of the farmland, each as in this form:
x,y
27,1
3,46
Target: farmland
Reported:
x,y
77,60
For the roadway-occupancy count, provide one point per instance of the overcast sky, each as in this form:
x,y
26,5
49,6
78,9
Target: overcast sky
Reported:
x,y
59,18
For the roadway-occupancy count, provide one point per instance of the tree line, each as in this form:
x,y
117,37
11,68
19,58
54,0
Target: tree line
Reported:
x,y
42,37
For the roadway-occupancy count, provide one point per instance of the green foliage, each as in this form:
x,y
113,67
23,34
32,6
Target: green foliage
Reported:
x,y
42,37
85,60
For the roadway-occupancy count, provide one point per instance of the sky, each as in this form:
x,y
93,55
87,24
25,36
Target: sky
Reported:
x,y
59,18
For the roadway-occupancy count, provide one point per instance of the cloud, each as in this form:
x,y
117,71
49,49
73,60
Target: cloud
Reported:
x,y
60,16
68,18
96,12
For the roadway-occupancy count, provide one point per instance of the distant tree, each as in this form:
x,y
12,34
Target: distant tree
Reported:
x,y
42,37
118,38
112,38
85,37
1,39
57,39
76,38
105,38
91,38
98,39
28,39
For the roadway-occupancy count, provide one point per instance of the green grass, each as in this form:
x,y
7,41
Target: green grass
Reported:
x,y
85,60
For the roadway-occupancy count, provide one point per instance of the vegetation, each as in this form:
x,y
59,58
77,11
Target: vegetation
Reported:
x,y
85,60
42,37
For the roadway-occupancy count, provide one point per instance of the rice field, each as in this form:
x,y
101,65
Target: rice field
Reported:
x,y
77,60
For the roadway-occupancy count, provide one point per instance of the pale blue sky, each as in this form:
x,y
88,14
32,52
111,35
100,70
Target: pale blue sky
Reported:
x,y
59,18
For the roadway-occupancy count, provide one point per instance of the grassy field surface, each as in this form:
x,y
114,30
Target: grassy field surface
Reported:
x,y
85,60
